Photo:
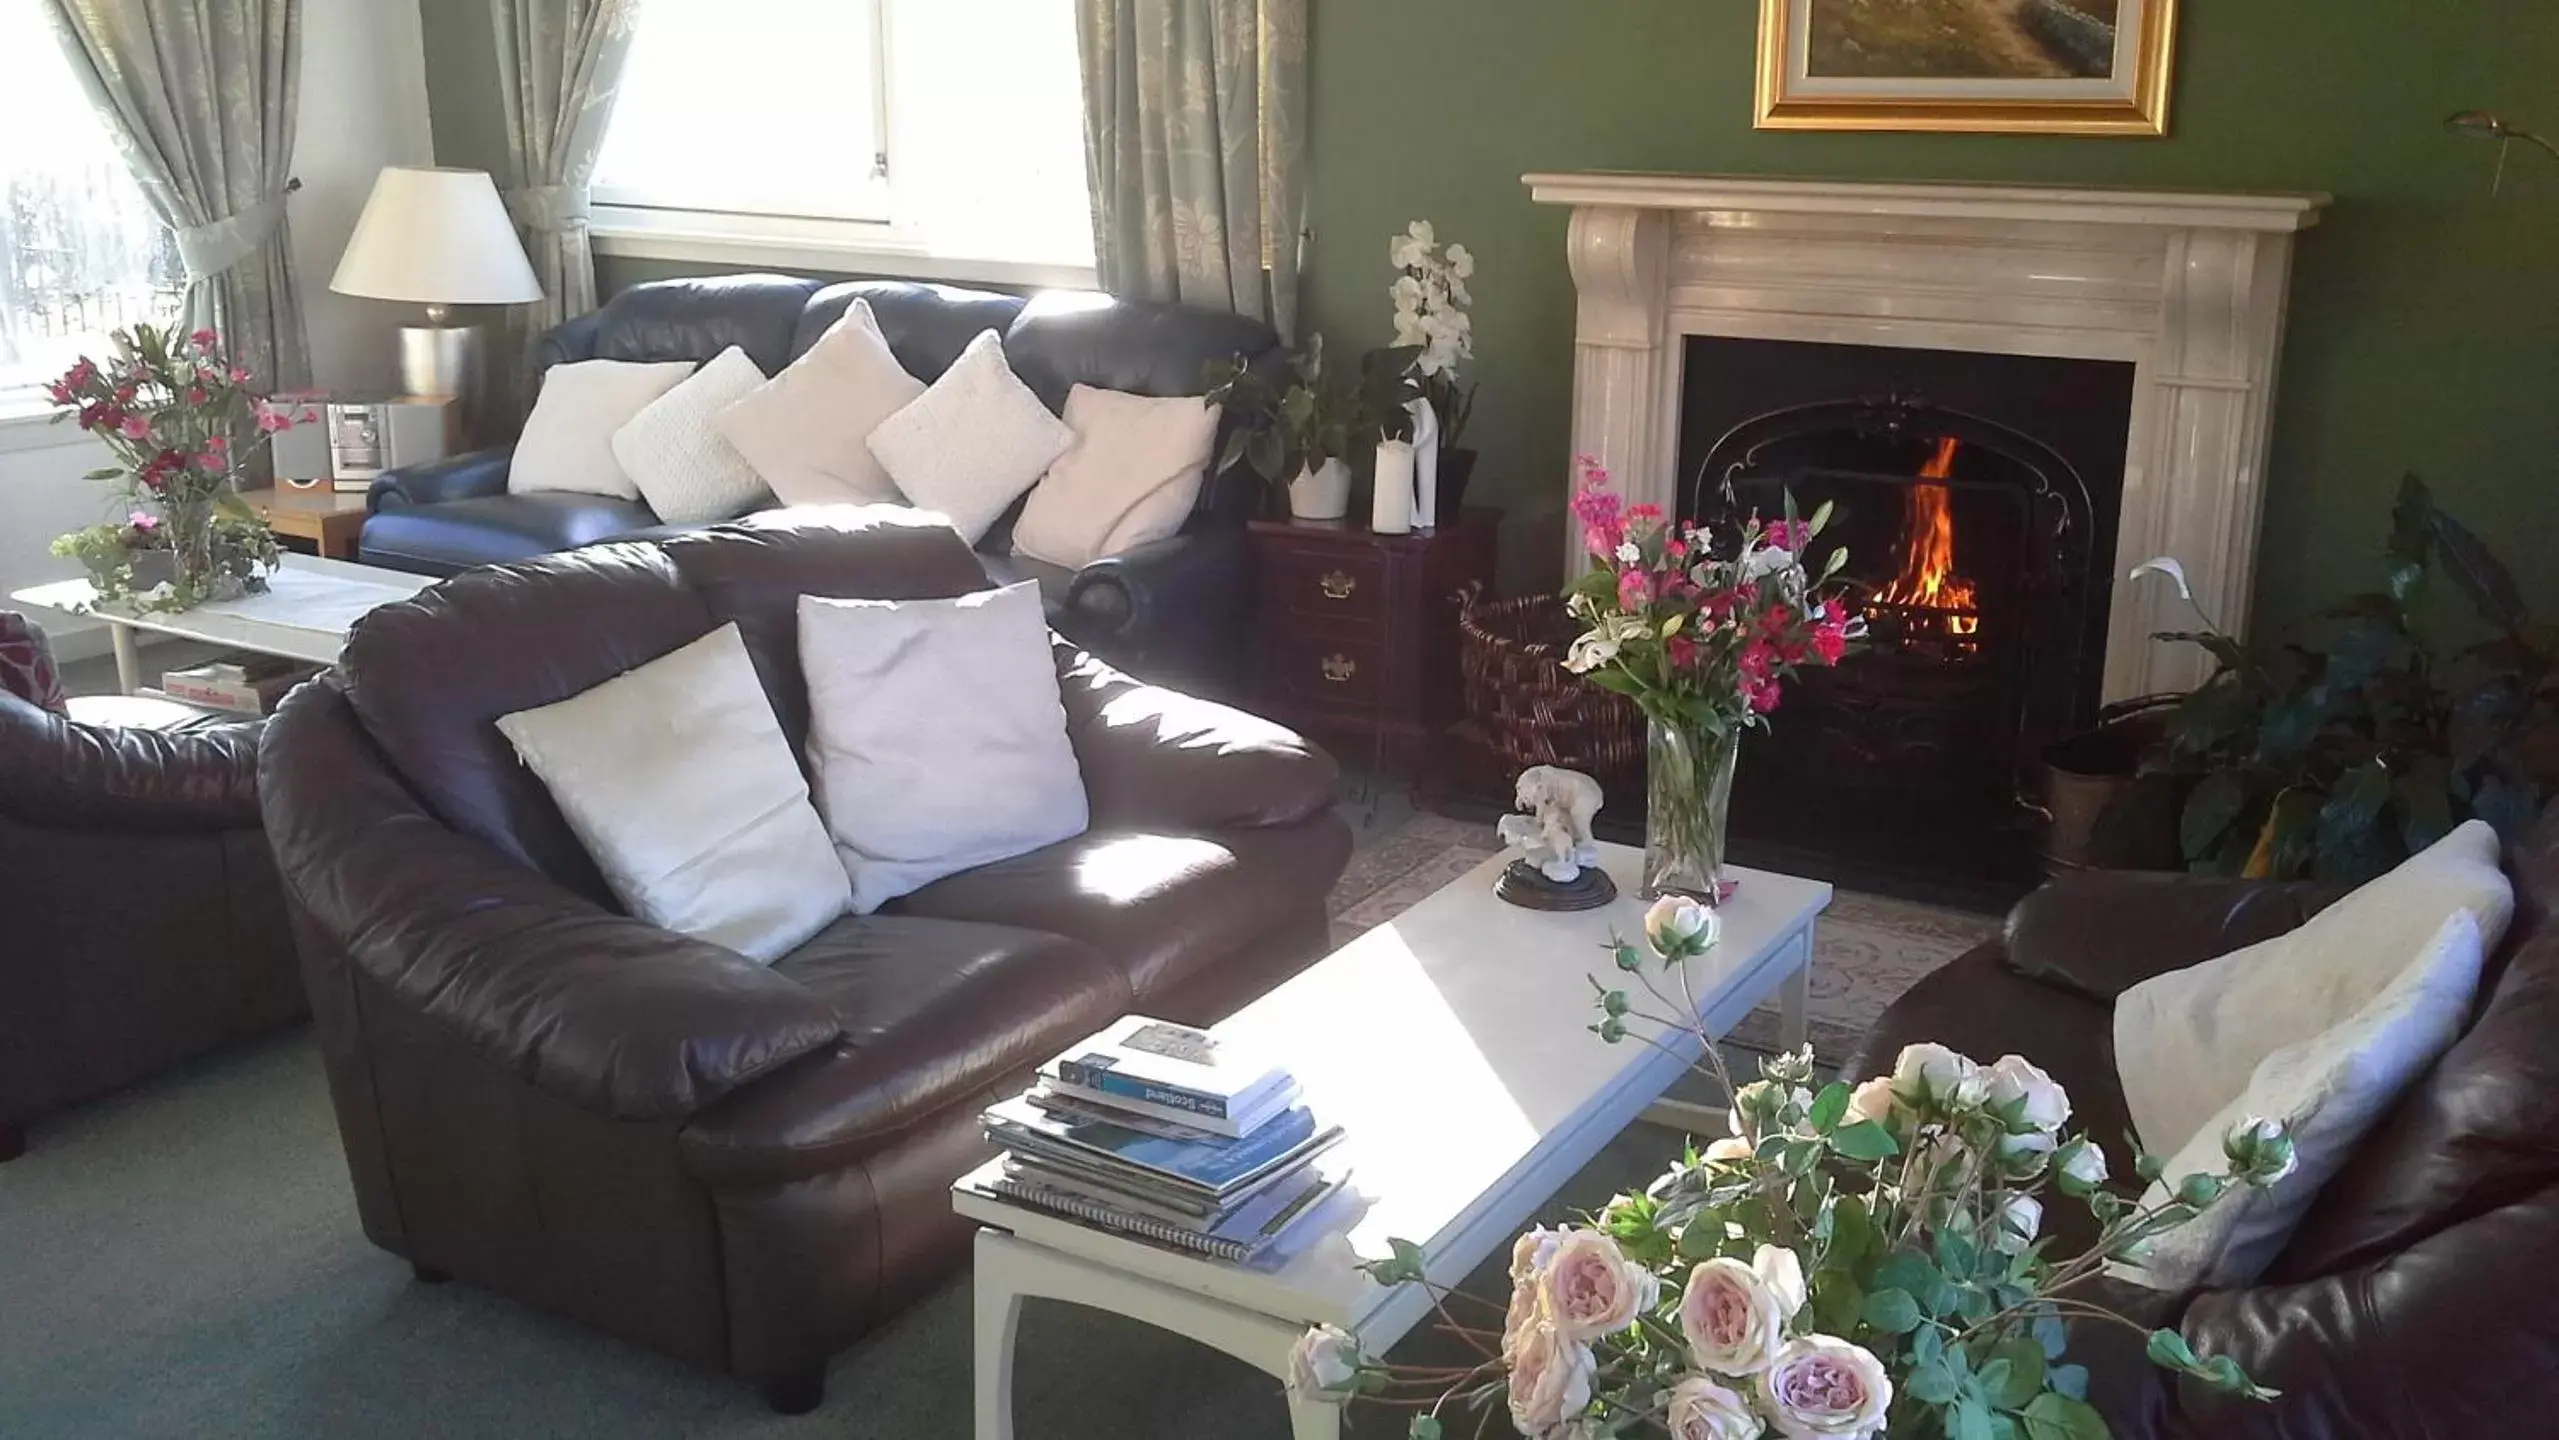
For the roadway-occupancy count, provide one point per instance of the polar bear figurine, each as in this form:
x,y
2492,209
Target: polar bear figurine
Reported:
x,y
1555,834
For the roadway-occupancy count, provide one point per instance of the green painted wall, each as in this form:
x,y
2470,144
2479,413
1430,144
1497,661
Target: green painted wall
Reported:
x,y
2426,324
2425,332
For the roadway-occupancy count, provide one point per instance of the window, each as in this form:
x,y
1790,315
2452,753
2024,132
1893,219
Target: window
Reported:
x,y
80,250
943,136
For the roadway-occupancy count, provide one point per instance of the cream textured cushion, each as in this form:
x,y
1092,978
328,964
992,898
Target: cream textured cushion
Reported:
x,y
568,439
2320,1028
685,470
807,430
679,782
1132,475
973,441
938,734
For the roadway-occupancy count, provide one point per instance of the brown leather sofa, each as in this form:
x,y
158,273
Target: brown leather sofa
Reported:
x,y
144,924
2418,1296
740,1166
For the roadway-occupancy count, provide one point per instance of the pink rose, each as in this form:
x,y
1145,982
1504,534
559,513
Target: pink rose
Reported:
x,y
135,428
1591,1289
1823,1388
1634,590
1323,1364
271,420
1870,1101
239,375
1530,1255
1550,1380
1700,1409
1830,640
205,339
1734,1315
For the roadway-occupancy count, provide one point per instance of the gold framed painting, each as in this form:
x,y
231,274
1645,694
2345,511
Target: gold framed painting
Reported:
x,y
2027,67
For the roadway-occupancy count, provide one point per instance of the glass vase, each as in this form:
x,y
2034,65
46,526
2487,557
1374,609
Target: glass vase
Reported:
x,y
1688,797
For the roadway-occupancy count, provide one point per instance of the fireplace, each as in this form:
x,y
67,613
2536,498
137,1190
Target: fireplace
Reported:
x,y
1975,495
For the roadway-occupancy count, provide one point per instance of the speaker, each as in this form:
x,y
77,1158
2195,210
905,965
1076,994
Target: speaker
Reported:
x,y
301,454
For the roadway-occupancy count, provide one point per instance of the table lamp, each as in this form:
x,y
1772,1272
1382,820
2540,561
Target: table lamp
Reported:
x,y
437,237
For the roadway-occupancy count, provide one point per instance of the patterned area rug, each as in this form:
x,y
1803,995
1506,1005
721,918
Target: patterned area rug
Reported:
x,y
1871,949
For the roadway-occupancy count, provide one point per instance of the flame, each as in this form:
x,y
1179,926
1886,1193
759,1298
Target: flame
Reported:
x,y
1928,580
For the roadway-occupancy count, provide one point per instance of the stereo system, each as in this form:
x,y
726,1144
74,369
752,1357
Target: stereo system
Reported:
x,y
346,440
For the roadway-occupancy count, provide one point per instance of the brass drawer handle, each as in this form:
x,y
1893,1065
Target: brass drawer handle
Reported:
x,y
1336,585
1340,668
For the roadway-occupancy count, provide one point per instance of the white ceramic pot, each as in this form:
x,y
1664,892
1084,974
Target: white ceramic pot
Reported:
x,y
1323,494
1390,511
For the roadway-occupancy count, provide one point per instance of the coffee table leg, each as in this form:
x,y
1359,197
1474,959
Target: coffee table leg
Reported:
x,y
1794,1000
128,658
999,1324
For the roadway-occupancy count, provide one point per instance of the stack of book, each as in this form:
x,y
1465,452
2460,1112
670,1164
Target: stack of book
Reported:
x,y
241,684
1165,1132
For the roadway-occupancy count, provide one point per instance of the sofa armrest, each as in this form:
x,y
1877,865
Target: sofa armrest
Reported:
x,y
1130,600
456,477
1159,758
58,774
2104,932
611,1013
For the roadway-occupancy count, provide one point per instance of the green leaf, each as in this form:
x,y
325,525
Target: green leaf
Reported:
x,y
2169,1349
1865,1140
1425,1427
2477,573
2054,1416
1968,1419
1828,1106
1927,1345
2215,803
2349,821
1955,1255
1893,1312
2025,1374
2070,1380
1930,1384
1906,1270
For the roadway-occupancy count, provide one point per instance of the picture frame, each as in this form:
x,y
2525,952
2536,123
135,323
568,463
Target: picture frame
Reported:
x,y
2009,67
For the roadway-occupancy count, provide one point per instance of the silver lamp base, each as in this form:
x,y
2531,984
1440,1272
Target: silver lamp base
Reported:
x,y
441,360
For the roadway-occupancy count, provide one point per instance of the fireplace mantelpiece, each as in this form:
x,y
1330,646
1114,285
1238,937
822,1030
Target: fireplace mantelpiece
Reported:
x,y
2190,288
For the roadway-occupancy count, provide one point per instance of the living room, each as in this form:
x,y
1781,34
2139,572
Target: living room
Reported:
x,y
1039,448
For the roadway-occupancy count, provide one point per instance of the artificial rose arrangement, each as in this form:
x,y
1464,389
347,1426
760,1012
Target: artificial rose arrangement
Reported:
x,y
181,421
1851,1261
1702,631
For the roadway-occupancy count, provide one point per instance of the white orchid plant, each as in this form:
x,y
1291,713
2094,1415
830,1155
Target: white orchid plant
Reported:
x,y
1851,1261
1431,297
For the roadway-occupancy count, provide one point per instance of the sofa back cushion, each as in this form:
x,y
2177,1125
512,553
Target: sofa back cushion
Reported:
x,y
697,319
753,572
2481,1130
927,326
429,677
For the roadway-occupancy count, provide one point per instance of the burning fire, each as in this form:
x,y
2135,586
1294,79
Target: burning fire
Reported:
x,y
1928,580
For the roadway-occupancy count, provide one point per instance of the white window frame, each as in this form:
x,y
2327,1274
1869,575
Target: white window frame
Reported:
x,y
624,223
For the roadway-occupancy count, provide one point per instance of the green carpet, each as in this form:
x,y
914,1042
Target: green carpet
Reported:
x,y
184,1260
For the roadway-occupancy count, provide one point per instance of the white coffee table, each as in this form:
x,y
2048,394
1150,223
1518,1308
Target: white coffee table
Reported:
x,y
1453,1045
305,614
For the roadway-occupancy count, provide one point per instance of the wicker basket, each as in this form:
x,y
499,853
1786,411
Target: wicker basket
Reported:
x,y
1530,709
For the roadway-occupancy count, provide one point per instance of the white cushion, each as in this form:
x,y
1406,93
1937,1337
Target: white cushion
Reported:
x,y
973,441
567,442
2331,1088
679,782
2188,1042
2320,1028
1132,475
685,470
806,431
938,735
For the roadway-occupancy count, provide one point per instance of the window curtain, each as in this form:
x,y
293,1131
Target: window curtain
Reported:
x,y
1195,133
559,62
203,95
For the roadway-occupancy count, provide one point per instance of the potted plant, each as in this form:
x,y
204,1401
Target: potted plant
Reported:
x,y
2349,742
181,422
1300,435
1432,324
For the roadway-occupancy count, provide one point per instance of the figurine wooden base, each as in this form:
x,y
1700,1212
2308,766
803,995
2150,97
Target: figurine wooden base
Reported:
x,y
1527,887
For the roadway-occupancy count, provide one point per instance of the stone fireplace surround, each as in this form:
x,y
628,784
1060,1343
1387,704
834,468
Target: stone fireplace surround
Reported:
x,y
2188,287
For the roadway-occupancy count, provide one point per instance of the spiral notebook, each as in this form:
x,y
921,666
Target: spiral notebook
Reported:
x,y
1254,1228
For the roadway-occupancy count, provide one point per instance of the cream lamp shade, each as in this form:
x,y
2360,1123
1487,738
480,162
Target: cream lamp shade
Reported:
x,y
437,237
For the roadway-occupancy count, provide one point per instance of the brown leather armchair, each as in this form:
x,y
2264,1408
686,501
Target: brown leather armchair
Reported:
x,y
145,923
2416,1298
741,1166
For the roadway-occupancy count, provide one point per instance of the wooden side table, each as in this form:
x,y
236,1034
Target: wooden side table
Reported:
x,y
1358,631
332,521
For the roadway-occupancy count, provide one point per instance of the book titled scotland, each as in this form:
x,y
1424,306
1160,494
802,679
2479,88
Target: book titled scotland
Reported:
x,y
1174,1066
1216,1167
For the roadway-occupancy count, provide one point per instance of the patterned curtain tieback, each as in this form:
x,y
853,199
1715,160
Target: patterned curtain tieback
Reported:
x,y
209,249
548,207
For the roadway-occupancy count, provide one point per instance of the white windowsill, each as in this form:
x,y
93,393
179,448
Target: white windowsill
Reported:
x,y
793,243
27,424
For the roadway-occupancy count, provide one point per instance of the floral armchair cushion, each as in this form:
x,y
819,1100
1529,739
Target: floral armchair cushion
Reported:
x,y
26,664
